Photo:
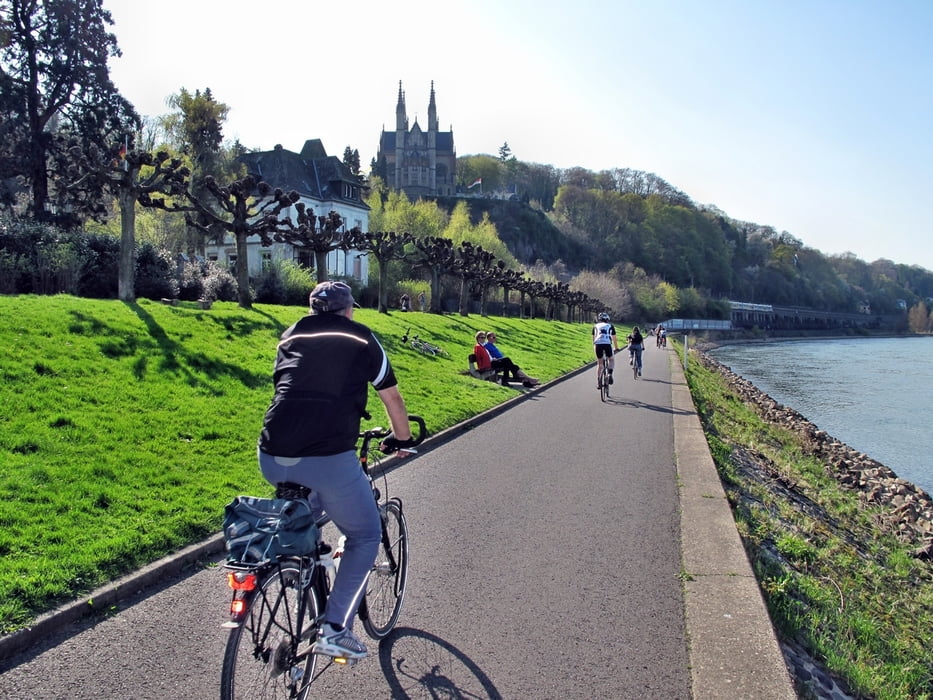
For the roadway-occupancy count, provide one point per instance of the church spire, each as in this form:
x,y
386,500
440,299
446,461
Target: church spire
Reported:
x,y
432,111
401,119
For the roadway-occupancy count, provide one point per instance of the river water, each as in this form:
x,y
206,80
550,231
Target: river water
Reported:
x,y
874,394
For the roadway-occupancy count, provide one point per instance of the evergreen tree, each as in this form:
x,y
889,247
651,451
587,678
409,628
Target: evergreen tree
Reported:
x,y
55,86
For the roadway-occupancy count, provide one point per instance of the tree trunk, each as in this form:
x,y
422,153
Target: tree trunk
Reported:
x,y
464,297
383,286
320,262
126,273
436,291
242,271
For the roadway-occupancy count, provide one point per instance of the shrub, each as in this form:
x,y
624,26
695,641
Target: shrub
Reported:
x,y
219,284
12,268
270,289
155,273
191,281
298,282
99,277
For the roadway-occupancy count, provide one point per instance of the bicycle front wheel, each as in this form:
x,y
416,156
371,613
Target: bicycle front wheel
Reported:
x,y
268,656
386,587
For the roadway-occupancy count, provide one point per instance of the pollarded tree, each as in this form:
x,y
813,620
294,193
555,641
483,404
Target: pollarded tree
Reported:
x,y
468,265
55,80
485,275
157,181
435,254
248,208
508,279
384,246
320,234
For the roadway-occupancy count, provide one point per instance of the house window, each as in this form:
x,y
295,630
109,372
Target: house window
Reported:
x,y
265,259
304,257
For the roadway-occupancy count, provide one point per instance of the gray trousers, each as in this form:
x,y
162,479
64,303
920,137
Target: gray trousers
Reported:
x,y
342,490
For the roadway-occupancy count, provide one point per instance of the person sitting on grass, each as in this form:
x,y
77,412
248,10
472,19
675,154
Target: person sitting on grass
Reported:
x,y
483,360
501,362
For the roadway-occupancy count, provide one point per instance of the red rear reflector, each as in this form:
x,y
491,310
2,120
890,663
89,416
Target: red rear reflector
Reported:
x,y
239,581
237,606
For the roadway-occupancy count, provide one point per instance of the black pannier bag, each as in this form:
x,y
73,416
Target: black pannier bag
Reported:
x,y
258,530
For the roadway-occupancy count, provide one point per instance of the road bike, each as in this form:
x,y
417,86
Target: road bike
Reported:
x,y
278,605
423,346
636,364
602,378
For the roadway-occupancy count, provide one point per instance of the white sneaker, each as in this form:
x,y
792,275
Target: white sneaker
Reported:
x,y
342,644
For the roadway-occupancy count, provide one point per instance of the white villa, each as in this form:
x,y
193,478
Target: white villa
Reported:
x,y
324,184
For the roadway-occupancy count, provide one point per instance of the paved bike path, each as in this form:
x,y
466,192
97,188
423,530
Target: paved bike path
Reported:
x,y
546,563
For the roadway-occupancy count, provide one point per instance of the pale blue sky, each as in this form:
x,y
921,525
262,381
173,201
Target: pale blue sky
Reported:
x,y
811,117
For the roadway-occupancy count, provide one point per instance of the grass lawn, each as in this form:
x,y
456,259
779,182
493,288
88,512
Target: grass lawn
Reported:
x,y
125,428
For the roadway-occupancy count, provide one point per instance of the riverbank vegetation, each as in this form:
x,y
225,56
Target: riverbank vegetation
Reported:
x,y
837,582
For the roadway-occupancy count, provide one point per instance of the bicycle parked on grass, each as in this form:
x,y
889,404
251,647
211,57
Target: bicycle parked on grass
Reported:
x,y
423,346
278,603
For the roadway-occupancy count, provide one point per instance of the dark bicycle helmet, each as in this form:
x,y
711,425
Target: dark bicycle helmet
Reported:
x,y
603,317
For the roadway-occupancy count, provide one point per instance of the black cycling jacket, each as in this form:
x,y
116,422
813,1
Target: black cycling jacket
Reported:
x,y
323,367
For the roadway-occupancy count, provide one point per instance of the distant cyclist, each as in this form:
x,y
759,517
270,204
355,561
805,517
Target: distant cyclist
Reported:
x,y
604,343
636,344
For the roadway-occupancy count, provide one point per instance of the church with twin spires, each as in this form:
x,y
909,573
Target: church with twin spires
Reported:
x,y
417,161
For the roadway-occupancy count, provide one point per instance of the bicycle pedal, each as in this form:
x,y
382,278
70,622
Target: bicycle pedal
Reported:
x,y
339,660
344,661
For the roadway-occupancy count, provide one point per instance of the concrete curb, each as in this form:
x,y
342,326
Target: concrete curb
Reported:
x,y
732,647
106,597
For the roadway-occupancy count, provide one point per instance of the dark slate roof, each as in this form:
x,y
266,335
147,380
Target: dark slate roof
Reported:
x,y
312,173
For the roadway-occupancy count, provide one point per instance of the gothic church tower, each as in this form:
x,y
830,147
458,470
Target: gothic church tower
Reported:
x,y
418,162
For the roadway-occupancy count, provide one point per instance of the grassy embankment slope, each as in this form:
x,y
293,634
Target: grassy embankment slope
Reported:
x,y
835,581
125,429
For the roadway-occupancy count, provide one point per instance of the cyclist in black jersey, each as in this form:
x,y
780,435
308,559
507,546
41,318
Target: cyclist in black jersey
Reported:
x,y
323,367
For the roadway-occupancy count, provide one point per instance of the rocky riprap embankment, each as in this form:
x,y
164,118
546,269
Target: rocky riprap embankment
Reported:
x,y
905,509
899,506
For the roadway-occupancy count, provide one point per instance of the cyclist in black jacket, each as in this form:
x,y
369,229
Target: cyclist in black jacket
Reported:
x,y
324,364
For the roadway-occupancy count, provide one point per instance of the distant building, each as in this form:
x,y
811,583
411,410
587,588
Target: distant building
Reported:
x,y
324,184
418,162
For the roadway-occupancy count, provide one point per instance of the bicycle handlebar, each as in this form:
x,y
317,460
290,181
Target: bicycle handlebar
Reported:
x,y
381,433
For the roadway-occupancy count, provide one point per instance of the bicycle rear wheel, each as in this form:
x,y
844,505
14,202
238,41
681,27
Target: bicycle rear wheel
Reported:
x,y
386,587
265,658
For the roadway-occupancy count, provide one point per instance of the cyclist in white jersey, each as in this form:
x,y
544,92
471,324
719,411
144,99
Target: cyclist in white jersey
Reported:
x,y
604,343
